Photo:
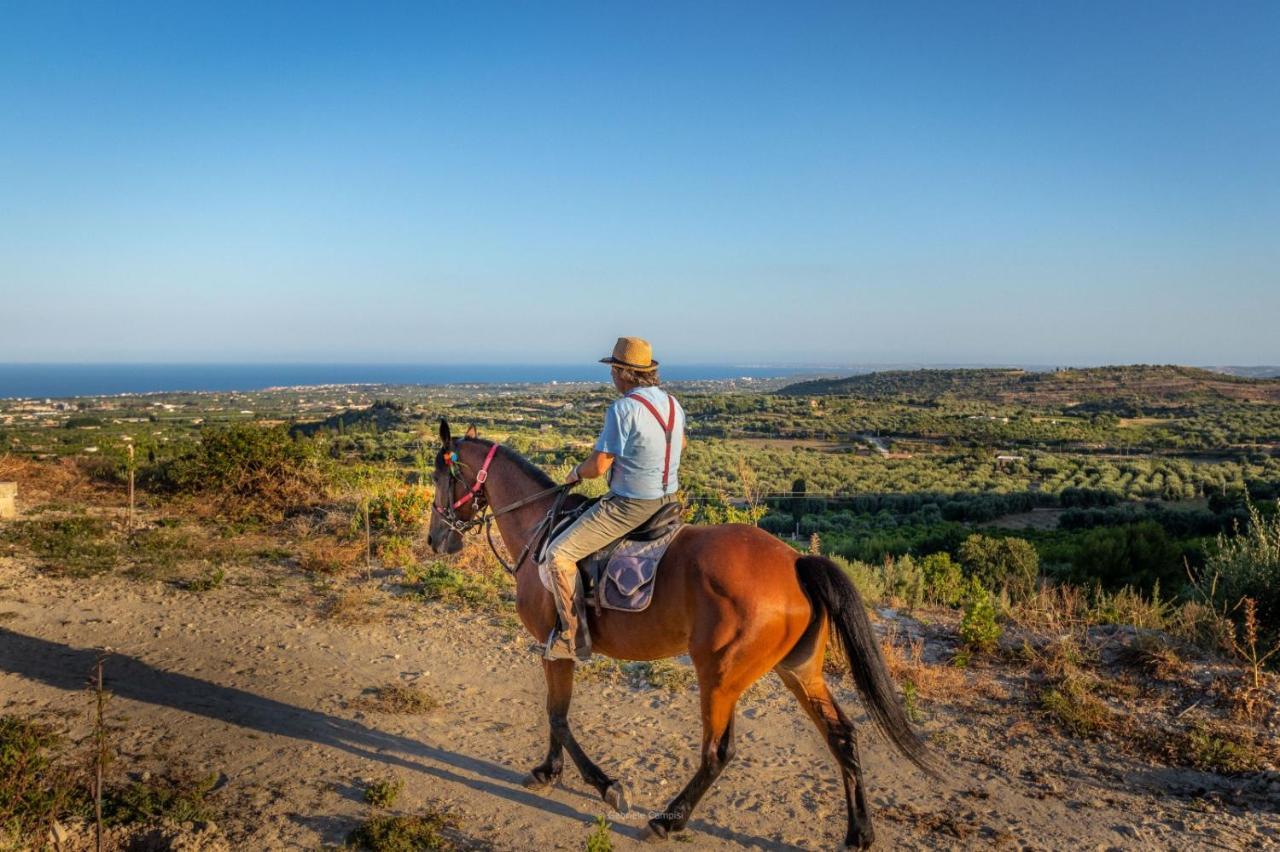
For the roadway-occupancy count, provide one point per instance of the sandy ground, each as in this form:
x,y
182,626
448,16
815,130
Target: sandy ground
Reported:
x,y
251,680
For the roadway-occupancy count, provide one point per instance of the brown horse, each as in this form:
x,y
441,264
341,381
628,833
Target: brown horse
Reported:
x,y
738,600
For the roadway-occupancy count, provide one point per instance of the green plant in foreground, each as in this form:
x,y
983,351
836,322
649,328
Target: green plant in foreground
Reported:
x,y
33,790
600,840
910,700
401,833
979,629
178,796
1073,706
208,582
1215,751
384,792
440,581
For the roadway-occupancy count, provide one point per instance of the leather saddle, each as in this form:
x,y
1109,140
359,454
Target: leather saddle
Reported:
x,y
659,525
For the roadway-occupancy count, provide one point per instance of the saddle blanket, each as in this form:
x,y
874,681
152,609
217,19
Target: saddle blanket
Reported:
x,y
621,576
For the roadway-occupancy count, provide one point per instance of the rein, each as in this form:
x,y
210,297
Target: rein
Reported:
x,y
486,514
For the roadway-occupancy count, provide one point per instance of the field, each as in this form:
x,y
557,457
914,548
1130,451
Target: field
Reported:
x,y
1073,574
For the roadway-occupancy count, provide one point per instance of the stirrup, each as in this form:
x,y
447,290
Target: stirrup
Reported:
x,y
560,647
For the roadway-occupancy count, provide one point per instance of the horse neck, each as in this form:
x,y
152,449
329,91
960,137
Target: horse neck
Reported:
x,y
509,483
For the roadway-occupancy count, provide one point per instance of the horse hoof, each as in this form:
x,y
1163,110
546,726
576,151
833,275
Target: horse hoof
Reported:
x,y
654,833
860,840
536,781
616,797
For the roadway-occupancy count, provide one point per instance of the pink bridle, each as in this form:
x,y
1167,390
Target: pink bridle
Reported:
x,y
482,475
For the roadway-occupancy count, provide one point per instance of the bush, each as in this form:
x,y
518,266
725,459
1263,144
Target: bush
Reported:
x,y
1072,704
401,511
383,793
600,840
444,582
251,470
401,833
943,579
1139,555
1002,563
904,581
33,790
179,796
979,629
77,546
1247,565
396,552
866,578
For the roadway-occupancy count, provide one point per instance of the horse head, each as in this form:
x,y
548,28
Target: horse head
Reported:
x,y
452,479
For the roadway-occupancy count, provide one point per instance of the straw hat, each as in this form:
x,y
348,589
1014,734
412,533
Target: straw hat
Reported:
x,y
634,353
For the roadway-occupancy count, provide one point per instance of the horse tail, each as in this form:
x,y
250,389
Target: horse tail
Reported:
x,y
833,595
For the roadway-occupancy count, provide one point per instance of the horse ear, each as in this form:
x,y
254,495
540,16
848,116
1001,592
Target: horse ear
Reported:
x,y
471,431
445,438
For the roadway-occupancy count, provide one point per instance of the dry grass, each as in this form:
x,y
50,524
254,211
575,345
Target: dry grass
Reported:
x,y
1072,704
351,607
46,481
906,664
398,699
328,556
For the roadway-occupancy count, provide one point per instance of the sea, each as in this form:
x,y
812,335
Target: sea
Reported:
x,y
70,380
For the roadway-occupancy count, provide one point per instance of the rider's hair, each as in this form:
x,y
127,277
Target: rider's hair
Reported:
x,y
638,378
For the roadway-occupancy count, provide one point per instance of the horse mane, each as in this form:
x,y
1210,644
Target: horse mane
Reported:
x,y
537,474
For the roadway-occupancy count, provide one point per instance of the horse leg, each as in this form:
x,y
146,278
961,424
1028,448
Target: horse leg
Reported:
x,y
559,676
548,772
807,684
717,750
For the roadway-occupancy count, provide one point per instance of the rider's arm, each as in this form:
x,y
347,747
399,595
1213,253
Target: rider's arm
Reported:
x,y
597,464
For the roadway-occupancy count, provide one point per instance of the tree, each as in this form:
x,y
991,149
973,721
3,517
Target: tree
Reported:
x,y
799,503
1009,563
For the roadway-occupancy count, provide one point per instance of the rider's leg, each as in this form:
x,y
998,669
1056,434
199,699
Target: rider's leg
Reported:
x,y
602,524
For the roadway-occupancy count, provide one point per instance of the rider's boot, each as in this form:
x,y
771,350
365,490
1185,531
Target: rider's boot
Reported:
x,y
571,640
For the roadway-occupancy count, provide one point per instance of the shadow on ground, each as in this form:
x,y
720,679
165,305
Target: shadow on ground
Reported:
x,y
67,667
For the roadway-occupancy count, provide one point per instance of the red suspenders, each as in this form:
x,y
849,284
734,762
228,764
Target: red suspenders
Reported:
x,y
667,426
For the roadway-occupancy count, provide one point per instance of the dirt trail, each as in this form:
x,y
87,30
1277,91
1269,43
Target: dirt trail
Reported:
x,y
250,680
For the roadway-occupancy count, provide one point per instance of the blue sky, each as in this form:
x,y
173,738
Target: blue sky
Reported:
x,y
1048,183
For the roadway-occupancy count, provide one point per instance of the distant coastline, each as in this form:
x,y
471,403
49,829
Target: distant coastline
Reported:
x,y
57,381
60,380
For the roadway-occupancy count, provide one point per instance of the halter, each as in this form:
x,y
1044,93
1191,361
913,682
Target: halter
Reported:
x,y
485,514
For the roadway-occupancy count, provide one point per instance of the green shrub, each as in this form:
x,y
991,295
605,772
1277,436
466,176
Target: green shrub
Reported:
x,y
1071,703
207,582
943,579
384,792
444,582
1246,564
402,510
384,833
866,578
33,790
1002,563
979,630
903,580
78,546
251,470
600,840
178,796
396,552
1219,751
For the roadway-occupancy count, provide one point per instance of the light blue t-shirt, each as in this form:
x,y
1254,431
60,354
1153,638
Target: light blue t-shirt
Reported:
x,y
638,445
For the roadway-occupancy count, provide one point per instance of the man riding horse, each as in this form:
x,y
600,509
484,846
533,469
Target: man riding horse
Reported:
x,y
639,450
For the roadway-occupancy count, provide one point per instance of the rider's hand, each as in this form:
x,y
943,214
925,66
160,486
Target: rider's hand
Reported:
x,y
573,478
